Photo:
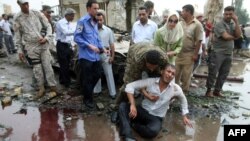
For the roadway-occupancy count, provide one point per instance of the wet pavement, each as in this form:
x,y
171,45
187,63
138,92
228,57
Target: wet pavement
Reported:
x,y
65,119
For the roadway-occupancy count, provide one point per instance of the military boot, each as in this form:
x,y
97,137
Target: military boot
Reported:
x,y
53,91
41,92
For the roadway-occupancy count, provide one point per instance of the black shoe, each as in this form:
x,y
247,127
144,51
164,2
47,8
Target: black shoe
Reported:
x,y
114,117
97,94
89,104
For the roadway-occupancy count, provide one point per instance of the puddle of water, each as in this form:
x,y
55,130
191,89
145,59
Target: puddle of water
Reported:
x,y
51,125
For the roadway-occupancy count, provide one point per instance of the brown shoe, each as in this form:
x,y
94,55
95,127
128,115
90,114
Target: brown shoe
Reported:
x,y
218,94
209,94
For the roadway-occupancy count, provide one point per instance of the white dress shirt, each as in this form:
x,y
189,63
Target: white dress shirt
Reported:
x,y
158,108
143,33
64,31
5,25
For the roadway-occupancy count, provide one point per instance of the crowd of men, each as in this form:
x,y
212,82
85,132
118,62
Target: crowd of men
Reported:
x,y
160,61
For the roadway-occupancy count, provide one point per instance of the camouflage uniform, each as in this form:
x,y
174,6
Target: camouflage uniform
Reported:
x,y
28,31
135,65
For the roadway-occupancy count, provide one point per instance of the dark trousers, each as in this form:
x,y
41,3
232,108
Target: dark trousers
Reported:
x,y
90,74
64,54
219,63
1,39
145,124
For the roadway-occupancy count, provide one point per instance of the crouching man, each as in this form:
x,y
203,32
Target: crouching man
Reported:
x,y
146,119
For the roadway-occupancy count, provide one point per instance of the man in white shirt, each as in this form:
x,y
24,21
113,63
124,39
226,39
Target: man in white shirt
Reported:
x,y
64,37
8,38
143,29
146,119
108,39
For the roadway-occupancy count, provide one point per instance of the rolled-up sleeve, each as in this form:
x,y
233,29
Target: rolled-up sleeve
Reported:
x,y
130,87
180,95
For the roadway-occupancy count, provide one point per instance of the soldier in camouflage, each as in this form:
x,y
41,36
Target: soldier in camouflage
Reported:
x,y
142,57
33,33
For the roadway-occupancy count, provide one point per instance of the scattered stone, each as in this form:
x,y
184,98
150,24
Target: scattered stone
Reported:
x,y
18,90
205,105
235,97
233,116
68,118
99,113
112,106
164,130
224,122
100,106
246,114
6,101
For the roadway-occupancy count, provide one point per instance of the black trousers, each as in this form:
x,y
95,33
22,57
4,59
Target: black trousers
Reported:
x,y
145,124
90,74
64,54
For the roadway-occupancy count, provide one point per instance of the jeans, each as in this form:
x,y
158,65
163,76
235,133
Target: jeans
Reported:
x,y
145,124
9,43
89,75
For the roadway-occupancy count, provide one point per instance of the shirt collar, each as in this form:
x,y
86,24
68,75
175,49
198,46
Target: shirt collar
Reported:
x,y
157,81
148,23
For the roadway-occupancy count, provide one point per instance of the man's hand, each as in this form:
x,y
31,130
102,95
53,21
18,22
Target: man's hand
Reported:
x,y
235,18
133,111
42,40
21,57
170,53
111,59
195,57
187,121
94,48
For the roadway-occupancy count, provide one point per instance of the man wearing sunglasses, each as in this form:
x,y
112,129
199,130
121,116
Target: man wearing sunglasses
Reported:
x,y
191,44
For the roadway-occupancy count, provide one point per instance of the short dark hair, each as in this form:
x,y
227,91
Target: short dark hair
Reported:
x,y
142,8
153,57
90,2
166,65
229,8
149,4
4,15
189,8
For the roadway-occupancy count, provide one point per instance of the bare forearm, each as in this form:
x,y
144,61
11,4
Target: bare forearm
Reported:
x,y
237,30
131,98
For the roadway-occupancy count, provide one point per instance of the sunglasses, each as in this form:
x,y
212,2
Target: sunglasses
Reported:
x,y
173,21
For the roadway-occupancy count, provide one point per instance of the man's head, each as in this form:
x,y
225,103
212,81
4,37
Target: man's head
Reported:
x,y
92,7
187,11
143,15
47,11
165,14
199,17
24,5
152,59
149,7
100,19
168,73
5,16
228,13
69,14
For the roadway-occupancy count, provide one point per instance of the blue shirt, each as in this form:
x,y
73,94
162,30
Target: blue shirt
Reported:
x,y
87,33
